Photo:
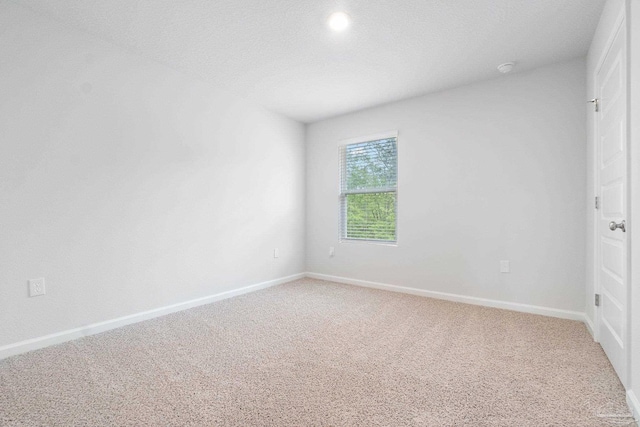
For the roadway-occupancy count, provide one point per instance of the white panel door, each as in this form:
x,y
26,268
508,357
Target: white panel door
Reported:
x,y
612,155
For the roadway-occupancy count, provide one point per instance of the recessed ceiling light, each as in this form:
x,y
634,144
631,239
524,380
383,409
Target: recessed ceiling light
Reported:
x,y
339,21
507,67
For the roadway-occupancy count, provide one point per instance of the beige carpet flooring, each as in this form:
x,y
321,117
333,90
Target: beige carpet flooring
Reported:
x,y
314,353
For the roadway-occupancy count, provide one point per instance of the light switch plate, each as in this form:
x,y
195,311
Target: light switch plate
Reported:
x,y
36,287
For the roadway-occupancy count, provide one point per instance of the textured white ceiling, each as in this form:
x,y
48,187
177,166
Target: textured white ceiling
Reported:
x,y
281,54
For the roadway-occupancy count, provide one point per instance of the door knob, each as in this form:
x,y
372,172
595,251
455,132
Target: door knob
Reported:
x,y
613,226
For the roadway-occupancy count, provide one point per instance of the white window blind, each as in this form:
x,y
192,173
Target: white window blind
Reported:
x,y
368,190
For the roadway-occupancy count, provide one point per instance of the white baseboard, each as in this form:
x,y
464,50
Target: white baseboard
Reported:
x,y
589,324
513,306
96,328
634,404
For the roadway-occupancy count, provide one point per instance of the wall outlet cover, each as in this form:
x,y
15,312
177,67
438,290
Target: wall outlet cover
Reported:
x,y
36,287
505,267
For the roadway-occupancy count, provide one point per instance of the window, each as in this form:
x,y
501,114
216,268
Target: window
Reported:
x,y
368,189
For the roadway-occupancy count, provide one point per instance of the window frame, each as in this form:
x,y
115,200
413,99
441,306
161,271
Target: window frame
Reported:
x,y
342,166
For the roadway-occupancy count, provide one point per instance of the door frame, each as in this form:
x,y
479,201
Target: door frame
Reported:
x,y
633,26
620,23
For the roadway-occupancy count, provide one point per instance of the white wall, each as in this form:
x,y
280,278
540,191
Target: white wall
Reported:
x,y
487,172
129,186
634,60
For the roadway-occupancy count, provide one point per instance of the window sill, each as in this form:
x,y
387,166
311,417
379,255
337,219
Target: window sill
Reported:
x,y
370,242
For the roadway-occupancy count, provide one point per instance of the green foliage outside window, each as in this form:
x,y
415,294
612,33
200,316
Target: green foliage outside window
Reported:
x,y
371,216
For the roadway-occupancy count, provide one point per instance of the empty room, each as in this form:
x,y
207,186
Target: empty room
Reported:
x,y
319,213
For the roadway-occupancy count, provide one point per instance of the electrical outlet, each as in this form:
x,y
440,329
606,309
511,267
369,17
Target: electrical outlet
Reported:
x,y
332,251
276,253
36,287
505,267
